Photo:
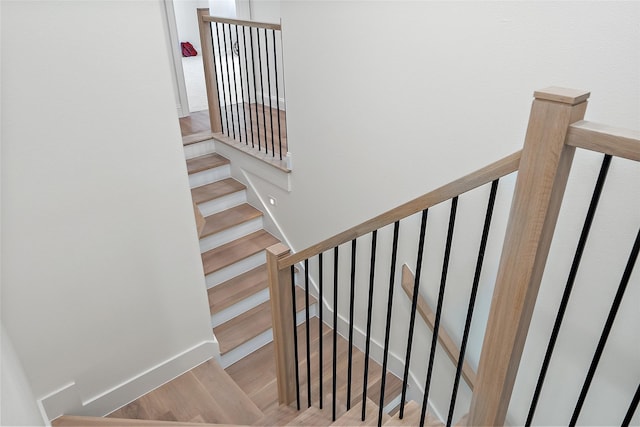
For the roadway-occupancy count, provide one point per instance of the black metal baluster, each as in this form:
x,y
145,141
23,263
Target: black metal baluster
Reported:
x,y
372,266
306,306
235,84
414,304
436,323
632,408
215,67
266,54
255,87
607,328
335,326
472,298
226,54
224,95
264,120
320,325
275,69
582,241
385,357
244,115
295,334
351,306
246,67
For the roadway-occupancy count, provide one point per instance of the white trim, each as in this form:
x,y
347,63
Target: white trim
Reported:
x,y
70,399
171,32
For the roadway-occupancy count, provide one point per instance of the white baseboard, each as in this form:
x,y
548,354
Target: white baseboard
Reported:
x,y
72,399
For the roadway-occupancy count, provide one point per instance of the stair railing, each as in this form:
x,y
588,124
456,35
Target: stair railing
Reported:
x,y
556,128
243,77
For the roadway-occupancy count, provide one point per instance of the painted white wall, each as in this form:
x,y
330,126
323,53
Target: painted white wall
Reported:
x,y
102,280
223,8
187,21
388,100
18,401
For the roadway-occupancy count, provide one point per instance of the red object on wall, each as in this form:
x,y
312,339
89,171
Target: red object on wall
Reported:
x,y
188,49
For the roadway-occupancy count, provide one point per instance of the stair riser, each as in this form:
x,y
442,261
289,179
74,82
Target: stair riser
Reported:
x,y
239,308
235,269
230,234
209,176
222,203
261,340
199,149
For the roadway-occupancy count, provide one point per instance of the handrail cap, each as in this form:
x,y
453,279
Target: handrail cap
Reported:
x,y
562,94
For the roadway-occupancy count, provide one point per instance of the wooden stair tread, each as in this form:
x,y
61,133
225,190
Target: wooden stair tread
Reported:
x,y
353,417
215,190
279,416
312,417
85,421
202,163
229,218
196,137
235,290
206,393
237,250
250,324
412,417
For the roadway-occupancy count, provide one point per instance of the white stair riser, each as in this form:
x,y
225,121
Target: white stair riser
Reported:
x,y
223,203
230,234
209,176
240,307
199,149
235,269
261,340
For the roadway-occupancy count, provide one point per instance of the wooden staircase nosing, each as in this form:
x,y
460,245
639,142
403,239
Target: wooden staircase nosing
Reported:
x,y
215,190
237,250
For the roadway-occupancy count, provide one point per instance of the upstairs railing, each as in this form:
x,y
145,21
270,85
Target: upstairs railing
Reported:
x,y
243,75
555,130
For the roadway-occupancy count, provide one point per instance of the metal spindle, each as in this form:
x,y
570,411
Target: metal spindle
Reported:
x,y
275,70
244,115
264,119
306,306
607,328
372,266
472,298
385,357
351,306
586,227
632,408
226,54
335,327
320,325
255,88
414,304
224,95
235,85
436,323
215,67
295,334
266,54
246,67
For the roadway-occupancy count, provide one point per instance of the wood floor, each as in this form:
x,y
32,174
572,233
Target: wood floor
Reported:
x,y
264,129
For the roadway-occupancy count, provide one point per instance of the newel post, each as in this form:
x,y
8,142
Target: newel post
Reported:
x,y
542,177
283,323
209,70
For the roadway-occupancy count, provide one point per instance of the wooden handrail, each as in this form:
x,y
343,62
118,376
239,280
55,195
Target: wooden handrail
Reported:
x,y
542,178
428,315
254,24
480,177
605,139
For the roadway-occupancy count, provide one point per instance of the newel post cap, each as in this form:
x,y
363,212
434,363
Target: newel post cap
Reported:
x,y
562,95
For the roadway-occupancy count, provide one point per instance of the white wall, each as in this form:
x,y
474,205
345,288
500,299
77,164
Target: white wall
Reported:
x,y
388,100
18,401
187,21
102,284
